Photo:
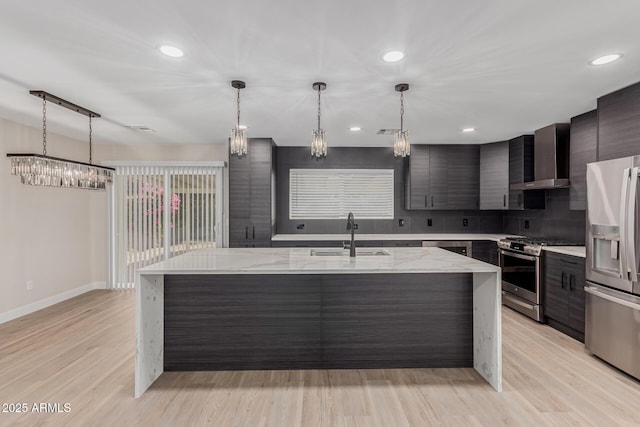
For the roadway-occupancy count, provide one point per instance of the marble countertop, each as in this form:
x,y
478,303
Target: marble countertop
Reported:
x,y
299,261
405,236
579,251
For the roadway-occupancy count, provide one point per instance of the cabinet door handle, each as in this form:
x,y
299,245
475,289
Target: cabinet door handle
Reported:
x,y
520,199
562,280
572,279
246,233
504,200
253,233
431,201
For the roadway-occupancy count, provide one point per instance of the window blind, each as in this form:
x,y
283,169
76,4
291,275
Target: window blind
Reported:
x,y
333,193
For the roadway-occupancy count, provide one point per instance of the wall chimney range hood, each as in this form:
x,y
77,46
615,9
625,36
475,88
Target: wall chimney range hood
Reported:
x,y
551,159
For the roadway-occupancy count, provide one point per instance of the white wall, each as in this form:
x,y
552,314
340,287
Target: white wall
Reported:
x,y
45,233
57,237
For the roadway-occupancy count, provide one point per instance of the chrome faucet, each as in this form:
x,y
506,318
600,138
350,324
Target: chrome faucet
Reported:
x,y
352,244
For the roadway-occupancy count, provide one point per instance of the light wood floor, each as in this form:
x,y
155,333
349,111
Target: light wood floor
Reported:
x,y
81,352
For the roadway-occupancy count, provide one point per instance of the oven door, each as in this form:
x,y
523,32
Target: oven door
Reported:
x,y
520,275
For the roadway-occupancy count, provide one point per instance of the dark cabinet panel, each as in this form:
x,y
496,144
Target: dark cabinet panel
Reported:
x,y
485,250
402,243
442,177
251,195
224,322
494,175
619,123
416,175
396,320
521,169
584,149
564,298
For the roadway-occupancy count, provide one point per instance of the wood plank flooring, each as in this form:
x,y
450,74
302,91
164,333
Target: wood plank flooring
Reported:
x,y
81,352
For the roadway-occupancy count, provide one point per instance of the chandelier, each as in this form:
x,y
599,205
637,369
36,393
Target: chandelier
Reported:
x,y
401,146
44,170
238,143
318,144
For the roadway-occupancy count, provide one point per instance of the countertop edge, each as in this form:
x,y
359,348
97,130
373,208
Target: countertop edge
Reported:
x,y
383,237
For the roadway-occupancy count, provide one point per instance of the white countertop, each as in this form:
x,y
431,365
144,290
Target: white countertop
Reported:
x,y
299,261
405,236
579,251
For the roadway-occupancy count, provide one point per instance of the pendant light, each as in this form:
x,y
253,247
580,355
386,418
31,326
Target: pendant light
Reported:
x,y
238,143
44,170
318,144
401,146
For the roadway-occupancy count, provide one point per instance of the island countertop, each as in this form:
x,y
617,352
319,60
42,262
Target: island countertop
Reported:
x,y
300,261
385,237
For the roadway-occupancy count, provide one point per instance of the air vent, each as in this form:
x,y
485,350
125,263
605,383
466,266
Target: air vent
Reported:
x,y
139,128
387,131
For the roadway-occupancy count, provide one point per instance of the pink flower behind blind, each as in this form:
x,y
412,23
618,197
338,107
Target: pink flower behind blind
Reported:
x,y
152,202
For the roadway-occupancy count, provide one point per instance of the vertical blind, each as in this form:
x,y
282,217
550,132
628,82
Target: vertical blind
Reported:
x,y
333,193
160,212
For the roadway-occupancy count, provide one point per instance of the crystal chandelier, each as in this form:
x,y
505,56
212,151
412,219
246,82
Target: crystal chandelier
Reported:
x,y
318,144
44,170
238,143
401,146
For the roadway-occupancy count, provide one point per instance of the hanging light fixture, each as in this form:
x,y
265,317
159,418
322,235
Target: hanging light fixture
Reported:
x,y
318,144
238,143
44,170
401,146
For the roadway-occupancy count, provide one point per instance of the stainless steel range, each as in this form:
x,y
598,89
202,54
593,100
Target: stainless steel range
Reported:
x,y
522,273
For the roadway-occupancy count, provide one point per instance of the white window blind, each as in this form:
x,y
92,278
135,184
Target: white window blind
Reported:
x,y
333,193
160,212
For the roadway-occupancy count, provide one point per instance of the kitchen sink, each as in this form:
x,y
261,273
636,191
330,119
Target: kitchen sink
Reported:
x,y
345,252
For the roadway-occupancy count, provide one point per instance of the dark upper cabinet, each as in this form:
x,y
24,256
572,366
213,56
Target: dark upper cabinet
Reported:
x,y
584,149
416,178
564,298
442,177
619,123
252,195
521,169
494,176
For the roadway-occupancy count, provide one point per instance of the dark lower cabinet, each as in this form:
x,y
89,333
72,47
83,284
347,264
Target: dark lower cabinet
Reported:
x,y
485,250
244,322
564,298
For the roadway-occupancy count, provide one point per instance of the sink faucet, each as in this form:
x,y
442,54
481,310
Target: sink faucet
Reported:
x,y
351,226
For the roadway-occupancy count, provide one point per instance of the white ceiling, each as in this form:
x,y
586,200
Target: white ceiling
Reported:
x,y
506,67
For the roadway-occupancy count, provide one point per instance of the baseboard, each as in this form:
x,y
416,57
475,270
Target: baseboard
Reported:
x,y
44,303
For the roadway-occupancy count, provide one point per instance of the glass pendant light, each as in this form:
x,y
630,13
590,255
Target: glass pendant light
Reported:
x,y
318,144
401,146
238,143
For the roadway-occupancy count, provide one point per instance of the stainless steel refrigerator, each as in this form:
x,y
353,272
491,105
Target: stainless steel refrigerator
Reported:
x,y
613,263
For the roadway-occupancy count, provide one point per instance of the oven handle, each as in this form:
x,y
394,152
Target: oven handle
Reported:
x,y
517,255
518,302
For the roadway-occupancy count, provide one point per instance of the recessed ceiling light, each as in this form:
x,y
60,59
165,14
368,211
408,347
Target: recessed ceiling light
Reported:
x,y
467,130
172,51
355,128
606,59
393,56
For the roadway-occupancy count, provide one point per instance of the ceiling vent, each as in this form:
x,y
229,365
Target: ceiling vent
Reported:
x,y
387,131
139,128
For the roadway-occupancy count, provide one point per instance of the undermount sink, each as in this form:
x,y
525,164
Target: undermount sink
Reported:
x,y
345,252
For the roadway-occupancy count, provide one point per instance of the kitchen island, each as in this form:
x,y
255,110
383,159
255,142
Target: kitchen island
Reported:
x,y
300,308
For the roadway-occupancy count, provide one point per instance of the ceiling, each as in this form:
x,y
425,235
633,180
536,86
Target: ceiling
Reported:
x,y
506,67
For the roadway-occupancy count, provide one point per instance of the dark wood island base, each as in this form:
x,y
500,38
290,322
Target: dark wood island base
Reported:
x,y
307,321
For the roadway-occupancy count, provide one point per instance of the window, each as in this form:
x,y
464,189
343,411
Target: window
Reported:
x,y
333,193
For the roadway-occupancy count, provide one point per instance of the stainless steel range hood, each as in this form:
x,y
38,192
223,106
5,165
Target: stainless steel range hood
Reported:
x,y
551,164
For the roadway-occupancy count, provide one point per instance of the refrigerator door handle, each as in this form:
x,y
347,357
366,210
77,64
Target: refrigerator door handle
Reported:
x,y
624,198
630,226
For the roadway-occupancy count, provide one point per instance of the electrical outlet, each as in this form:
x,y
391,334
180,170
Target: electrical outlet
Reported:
x,y
401,222
526,223
300,227
465,222
429,222
355,226
29,285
